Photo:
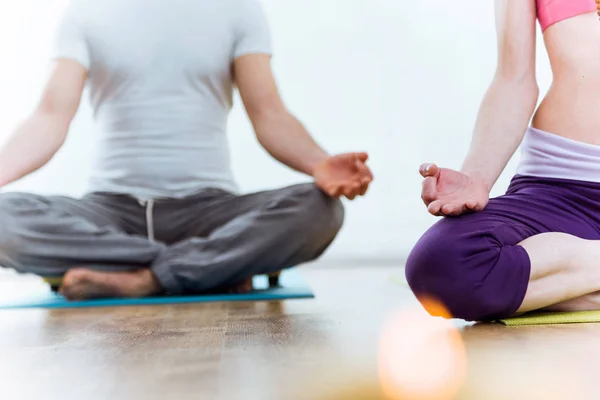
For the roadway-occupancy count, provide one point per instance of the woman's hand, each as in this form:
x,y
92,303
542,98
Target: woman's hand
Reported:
x,y
451,193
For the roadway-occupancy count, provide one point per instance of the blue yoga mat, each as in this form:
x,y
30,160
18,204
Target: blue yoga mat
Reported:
x,y
292,286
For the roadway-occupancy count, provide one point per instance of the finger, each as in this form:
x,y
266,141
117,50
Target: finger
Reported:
x,y
349,192
337,191
428,170
364,186
371,177
363,170
429,191
359,166
453,210
435,207
471,204
362,157
356,187
474,205
448,209
479,207
458,210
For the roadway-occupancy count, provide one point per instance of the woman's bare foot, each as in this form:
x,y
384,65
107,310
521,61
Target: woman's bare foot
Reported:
x,y
589,302
83,284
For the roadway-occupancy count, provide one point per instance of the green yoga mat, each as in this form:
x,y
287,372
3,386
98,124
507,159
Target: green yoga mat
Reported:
x,y
553,318
539,318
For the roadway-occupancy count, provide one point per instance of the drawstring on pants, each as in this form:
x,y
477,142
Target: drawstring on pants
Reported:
x,y
149,218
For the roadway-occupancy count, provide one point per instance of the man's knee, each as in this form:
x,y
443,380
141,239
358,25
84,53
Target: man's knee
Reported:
x,y
11,247
451,268
13,208
321,213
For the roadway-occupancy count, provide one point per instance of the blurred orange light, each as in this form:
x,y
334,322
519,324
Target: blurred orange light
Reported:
x,y
422,357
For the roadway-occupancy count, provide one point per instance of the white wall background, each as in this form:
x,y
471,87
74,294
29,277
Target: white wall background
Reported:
x,y
400,79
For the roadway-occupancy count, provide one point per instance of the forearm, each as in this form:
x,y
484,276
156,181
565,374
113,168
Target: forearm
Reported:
x,y
31,146
288,141
501,124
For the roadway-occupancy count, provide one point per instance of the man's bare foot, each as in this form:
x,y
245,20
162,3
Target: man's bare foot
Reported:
x,y
242,288
82,284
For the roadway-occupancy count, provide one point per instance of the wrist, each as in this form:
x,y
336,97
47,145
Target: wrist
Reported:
x,y
480,179
315,162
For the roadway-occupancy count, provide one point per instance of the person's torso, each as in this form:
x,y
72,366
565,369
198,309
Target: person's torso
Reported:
x,y
572,38
161,89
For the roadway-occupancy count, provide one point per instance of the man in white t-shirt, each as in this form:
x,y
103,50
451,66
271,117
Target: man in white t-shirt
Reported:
x,y
162,214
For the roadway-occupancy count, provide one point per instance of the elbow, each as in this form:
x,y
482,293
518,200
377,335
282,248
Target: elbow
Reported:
x,y
267,121
523,77
521,87
262,114
52,126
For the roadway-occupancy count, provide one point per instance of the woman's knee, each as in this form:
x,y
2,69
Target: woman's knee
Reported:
x,y
433,268
452,264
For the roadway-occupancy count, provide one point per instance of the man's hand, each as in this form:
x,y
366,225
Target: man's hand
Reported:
x,y
344,175
37,139
450,193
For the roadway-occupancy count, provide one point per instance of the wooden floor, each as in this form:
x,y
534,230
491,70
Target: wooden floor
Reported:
x,y
299,349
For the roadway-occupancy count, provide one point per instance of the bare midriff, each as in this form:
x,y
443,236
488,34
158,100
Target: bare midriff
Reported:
x,y
571,108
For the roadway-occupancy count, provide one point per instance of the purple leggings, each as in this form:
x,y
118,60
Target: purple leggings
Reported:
x,y
473,263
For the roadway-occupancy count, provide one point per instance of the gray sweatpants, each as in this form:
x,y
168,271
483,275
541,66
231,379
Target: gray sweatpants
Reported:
x,y
195,244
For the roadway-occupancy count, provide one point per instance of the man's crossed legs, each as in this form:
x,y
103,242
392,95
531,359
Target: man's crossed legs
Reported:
x,y
108,245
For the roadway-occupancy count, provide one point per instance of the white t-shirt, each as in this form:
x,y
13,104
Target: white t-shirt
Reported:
x,y
161,88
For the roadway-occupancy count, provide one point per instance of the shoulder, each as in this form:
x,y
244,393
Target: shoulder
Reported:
x,y
247,8
82,11
249,15
76,8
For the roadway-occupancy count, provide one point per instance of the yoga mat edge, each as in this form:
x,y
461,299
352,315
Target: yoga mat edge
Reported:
x,y
293,286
